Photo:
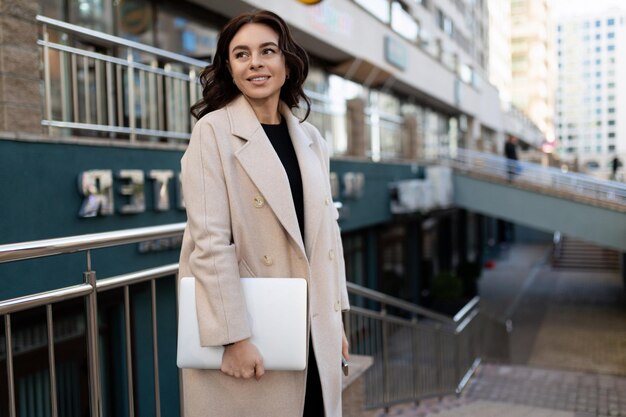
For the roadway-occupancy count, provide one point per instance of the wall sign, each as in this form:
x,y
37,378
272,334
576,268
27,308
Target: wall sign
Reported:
x,y
97,188
395,53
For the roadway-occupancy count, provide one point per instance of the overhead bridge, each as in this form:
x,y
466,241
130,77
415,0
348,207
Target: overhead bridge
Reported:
x,y
541,197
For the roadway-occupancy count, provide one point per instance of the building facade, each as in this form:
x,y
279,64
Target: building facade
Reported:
x,y
591,102
532,49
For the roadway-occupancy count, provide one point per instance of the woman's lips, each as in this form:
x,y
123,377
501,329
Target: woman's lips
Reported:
x,y
259,80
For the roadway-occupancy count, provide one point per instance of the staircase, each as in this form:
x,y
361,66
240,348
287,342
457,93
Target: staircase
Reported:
x,y
577,254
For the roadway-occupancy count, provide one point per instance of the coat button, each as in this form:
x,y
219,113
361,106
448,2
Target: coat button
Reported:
x,y
258,201
331,254
337,305
327,201
267,260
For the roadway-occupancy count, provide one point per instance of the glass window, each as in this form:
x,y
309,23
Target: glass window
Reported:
x,y
610,48
611,122
403,23
611,148
598,23
183,32
610,35
134,20
610,22
611,110
378,8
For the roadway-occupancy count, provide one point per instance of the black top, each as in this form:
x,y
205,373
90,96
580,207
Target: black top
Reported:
x,y
510,150
281,141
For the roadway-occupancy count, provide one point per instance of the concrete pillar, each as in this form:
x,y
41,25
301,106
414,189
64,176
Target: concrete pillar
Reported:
x,y
356,127
410,137
20,72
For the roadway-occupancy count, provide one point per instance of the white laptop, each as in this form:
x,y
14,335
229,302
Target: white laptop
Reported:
x,y
277,314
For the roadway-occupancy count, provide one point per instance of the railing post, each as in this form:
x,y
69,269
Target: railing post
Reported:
x,y
155,349
51,362
415,357
131,96
47,83
92,346
10,376
383,313
439,358
457,357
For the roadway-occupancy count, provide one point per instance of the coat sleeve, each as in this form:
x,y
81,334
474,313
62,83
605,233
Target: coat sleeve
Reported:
x,y
345,303
221,308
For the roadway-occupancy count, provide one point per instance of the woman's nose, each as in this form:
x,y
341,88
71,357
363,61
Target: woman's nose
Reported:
x,y
256,61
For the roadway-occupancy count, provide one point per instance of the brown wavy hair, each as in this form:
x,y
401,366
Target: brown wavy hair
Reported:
x,y
218,88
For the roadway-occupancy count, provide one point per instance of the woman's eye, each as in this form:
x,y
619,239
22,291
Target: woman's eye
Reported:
x,y
239,55
268,51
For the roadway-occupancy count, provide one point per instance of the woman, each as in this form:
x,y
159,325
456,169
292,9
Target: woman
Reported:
x,y
258,199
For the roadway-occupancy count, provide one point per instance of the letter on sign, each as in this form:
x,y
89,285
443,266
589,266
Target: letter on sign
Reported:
x,y
134,189
161,186
97,187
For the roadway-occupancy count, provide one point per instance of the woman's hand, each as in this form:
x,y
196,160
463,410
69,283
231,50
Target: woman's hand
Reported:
x,y
345,345
242,360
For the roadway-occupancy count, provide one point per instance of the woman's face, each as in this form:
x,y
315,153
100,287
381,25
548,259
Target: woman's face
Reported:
x,y
257,63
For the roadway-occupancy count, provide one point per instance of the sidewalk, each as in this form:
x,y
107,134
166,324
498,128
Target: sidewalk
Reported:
x,y
574,320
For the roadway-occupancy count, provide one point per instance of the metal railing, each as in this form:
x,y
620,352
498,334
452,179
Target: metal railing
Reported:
x,y
120,88
426,354
538,177
419,353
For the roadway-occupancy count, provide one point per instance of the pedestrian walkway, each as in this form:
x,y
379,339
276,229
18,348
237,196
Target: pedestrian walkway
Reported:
x,y
562,319
568,345
520,391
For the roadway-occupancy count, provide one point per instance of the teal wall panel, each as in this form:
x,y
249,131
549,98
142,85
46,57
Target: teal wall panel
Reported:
x,y
373,206
39,185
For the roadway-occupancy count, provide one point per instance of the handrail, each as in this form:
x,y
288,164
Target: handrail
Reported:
x,y
396,302
71,244
94,34
521,172
374,332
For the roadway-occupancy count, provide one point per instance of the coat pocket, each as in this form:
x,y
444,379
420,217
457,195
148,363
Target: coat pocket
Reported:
x,y
244,270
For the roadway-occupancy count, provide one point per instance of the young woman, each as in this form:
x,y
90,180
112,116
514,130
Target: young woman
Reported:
x,y
258,199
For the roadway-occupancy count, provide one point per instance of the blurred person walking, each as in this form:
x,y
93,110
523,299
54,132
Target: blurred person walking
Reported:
x,y
510,152
257,192
615,165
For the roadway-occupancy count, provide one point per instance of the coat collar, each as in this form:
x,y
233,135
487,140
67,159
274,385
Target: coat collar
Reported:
x,y
264,168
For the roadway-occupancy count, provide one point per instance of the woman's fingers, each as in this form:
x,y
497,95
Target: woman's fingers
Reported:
x,y
242,360
259,369
345,346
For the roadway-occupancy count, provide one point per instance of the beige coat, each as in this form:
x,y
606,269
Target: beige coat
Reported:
x,y
241,222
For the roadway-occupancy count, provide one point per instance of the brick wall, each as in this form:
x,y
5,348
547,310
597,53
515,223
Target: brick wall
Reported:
x,y
20,71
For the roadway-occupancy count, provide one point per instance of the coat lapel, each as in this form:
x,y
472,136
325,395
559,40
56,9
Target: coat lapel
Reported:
x,y
312,171
261,163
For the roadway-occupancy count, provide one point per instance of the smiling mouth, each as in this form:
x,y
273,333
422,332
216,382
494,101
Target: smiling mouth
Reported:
x,y
260,78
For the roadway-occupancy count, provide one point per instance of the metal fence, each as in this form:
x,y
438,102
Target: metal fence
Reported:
x,y
538,177
419,353
95,82
426,355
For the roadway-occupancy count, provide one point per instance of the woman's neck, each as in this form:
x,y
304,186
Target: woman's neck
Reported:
x,y
266,111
